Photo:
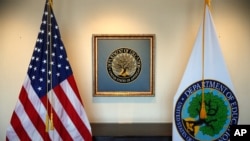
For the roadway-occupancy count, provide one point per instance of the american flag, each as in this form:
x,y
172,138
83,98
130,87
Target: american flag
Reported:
x,y
49,105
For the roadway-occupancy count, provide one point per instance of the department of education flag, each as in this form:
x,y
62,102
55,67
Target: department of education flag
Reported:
x,y
49,105
205,105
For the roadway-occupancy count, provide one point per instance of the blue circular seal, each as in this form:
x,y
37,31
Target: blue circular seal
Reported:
x,y
206,113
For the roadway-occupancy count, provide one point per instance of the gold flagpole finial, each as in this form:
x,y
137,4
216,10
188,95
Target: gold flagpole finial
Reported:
x,y
208,2
51,2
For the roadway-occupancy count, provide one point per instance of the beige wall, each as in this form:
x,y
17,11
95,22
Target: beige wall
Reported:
x,y
175,23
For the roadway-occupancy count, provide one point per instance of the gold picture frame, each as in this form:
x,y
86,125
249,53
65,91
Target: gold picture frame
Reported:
x,y
123,64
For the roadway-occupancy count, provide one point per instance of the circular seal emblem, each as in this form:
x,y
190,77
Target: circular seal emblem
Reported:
x,y
124,65
206,113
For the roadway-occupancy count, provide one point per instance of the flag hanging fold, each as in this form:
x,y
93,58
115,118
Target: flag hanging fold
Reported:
x,y
49,105
205,105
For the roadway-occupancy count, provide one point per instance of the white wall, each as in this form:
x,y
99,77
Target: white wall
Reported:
x,y
175,23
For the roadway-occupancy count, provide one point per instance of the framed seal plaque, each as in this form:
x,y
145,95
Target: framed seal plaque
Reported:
x,y
123,64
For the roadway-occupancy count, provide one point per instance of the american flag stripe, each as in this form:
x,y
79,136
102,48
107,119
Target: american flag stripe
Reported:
x,y
31,112
36,110
54,135
65,120
26,122
77,116
31,122
13,136
59,126
78,103
73,85
21,131
64,123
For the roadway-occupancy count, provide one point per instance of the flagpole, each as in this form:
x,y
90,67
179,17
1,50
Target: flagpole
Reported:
x,y
203,113
51,84
49,115
47,58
